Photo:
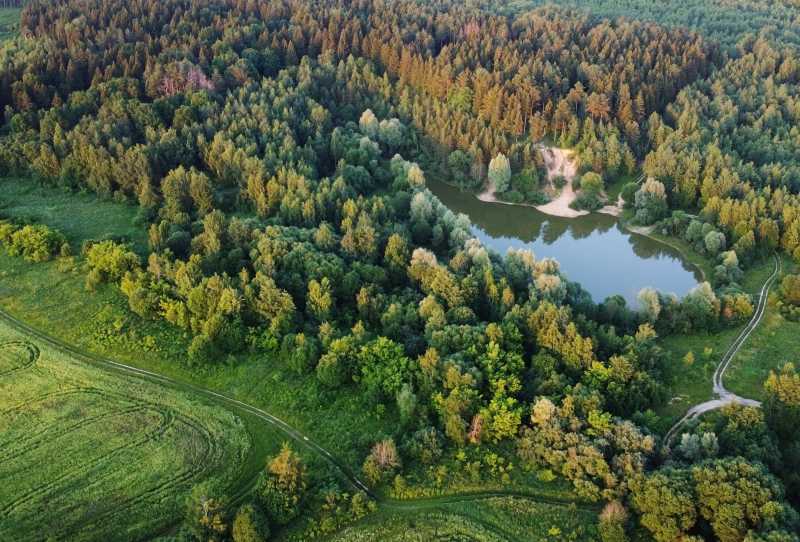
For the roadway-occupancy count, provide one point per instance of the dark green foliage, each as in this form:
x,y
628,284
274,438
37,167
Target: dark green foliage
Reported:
x,y
279,180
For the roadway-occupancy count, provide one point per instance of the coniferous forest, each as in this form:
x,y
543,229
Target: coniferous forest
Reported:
x,y
274,158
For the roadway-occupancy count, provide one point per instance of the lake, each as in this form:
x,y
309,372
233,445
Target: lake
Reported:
x,y
593,250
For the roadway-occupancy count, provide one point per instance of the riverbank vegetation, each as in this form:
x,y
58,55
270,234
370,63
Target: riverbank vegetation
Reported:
x,y
267,233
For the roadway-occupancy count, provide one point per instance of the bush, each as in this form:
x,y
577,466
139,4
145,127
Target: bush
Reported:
x,y
588,201
790,289
36,243
108,261
512,196
629,194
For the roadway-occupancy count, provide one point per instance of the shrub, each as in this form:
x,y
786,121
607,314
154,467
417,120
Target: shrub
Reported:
x,y
512,196
629,194
35,243
108,261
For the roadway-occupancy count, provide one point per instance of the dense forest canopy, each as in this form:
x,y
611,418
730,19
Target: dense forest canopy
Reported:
x,y
723,21
274,150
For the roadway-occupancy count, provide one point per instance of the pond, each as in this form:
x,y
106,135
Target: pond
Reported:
x,y
593,250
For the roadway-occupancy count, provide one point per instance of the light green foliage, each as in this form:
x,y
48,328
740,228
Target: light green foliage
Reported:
x,y
591,182
650,202
665,502
383,367
735,496
500,173
790,290
35,243
108,262
250,525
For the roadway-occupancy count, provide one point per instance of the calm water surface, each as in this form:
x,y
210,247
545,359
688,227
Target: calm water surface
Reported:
x,y
593,250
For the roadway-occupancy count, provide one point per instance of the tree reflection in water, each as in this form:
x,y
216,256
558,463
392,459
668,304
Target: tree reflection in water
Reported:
x,y
592,250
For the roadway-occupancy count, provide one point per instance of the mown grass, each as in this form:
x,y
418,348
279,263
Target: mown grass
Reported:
x,y
9,23
493,519
773,343
90,455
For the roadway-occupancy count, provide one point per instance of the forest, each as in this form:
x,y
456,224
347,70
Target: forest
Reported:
x,y
276,155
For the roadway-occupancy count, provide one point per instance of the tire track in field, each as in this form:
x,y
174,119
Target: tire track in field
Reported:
x,y
215,397
32,357
55,429
78,471
52,432
290,431
185,476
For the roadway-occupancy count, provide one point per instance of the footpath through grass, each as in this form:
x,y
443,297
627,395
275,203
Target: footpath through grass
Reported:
x,y
773,343
494,519
90,455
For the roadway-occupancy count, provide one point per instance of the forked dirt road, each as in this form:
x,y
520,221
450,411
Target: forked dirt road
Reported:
x,y
724,396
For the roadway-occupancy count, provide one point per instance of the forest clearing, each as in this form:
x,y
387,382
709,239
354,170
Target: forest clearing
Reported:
x,y
248,293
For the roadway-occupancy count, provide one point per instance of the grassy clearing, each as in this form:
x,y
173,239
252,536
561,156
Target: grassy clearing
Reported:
x,y
89,455
773,343
51,296
9,23
78,216
494,519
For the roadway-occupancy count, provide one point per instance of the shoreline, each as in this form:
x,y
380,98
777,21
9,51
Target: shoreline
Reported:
x,y
559,164
647,231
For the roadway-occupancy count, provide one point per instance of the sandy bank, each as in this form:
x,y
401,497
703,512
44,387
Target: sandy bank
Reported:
x,y
558,163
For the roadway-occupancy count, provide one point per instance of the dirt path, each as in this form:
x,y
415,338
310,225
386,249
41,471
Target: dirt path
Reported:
x,y
559,162
290,431
724,396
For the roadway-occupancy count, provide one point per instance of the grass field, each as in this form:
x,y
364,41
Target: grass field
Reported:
x,y
494,519
89,455
51,296
9,23
78,216
773,343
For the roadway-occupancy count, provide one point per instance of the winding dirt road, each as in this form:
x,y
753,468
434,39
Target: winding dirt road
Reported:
x,y
293,433
722,395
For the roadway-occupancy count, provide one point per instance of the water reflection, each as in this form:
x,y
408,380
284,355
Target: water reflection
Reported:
x,y
592,250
